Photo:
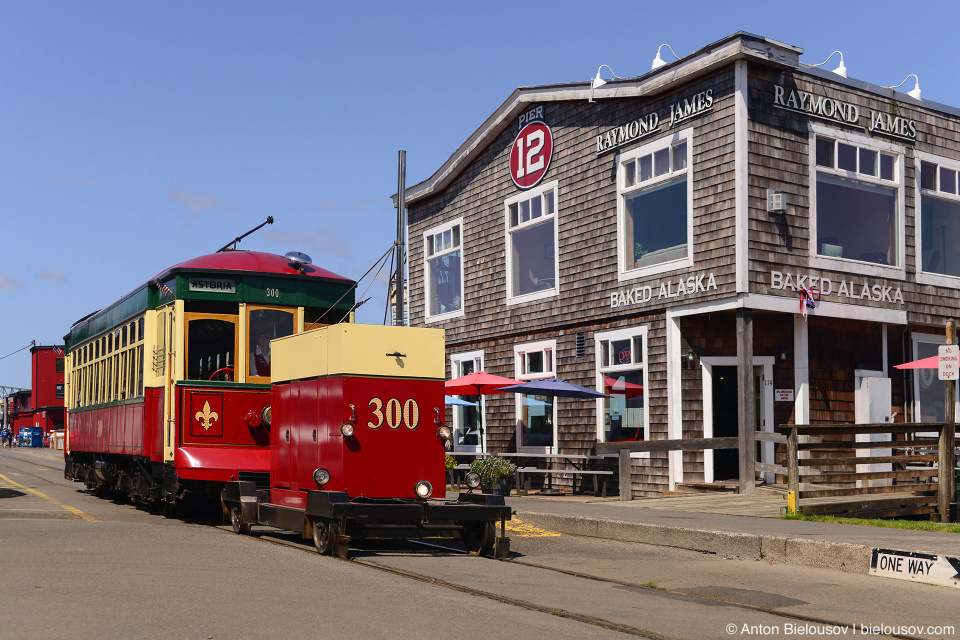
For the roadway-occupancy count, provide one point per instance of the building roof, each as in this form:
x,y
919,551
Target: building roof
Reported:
x,y
739,46
250,261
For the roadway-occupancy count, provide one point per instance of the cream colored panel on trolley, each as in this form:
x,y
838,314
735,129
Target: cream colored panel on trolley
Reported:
x,y
359,349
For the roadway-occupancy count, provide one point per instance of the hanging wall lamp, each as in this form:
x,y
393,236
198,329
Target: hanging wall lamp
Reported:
x,y
658,61
599,82
915,93
840,71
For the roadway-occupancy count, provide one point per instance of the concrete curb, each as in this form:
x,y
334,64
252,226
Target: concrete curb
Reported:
x,y
839,556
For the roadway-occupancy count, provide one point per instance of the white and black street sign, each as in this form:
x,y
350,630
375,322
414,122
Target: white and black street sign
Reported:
x,y
916,567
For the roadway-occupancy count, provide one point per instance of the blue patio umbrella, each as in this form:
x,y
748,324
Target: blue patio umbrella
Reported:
x,y
555,388
452,401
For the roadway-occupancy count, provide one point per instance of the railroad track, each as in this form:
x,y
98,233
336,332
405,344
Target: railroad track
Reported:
x,y
851,628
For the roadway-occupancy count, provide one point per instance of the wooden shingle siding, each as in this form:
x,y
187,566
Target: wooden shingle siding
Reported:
x,y
778,156
779,159
586,215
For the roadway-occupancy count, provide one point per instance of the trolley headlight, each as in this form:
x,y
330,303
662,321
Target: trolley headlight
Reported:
x,y
444,433
321,477
346,429
472,479
266,416
423,489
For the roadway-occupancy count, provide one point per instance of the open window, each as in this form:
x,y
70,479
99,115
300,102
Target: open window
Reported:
x,y
211,346
263,325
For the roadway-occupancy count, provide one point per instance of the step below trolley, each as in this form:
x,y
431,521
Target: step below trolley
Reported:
x,y
358,445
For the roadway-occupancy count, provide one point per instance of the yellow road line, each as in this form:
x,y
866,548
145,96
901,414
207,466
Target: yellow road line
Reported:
x,y
72,510
521,530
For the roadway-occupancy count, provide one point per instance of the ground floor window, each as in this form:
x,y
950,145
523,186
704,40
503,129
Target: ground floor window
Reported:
x,y
928,397
620,369
536,414
467,418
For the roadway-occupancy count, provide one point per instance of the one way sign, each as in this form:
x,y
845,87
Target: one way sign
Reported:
x,y
916,567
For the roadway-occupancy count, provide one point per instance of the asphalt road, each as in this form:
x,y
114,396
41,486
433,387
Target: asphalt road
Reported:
x,y
79,566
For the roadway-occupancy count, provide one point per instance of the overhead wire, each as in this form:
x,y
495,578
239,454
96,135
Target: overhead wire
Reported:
x,y
353,287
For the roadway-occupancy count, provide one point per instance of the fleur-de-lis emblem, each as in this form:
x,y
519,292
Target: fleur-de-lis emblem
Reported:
x,y
207,417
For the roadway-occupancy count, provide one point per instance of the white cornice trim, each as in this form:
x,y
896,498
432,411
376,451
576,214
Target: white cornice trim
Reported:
x,y
724,52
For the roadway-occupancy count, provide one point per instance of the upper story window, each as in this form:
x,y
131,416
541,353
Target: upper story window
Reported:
x,y
443,271
532,244
939,220
858,199
655,212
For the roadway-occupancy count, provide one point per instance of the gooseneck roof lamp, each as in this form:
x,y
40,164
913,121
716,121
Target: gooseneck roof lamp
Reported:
x,y
599,82
658,61
840,71
915,93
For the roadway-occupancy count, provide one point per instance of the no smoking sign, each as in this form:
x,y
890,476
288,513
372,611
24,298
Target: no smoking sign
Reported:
x,y
948,361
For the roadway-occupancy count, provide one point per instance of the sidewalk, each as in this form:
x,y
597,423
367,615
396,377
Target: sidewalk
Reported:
x,y
745,526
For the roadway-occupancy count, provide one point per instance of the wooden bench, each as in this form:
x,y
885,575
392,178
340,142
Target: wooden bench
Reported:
x,y
523,478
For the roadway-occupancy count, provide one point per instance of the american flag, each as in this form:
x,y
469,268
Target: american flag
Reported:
x,y
58,351
164,289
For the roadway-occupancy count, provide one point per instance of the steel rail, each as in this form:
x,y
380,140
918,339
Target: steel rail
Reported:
x,y
560,612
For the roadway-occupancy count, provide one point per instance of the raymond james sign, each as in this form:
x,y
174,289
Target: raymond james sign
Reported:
x,y
649,123
845,112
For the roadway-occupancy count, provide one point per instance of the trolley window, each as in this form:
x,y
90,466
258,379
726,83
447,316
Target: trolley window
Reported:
x,y
211,346
264,325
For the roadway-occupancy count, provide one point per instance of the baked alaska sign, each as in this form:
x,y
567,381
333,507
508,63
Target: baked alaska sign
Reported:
x,y
842,291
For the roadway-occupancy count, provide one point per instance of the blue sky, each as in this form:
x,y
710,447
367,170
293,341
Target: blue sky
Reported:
x,y
136,135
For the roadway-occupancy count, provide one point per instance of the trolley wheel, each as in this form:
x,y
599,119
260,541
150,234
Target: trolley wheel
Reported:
x,y
325,532
478,537
236,519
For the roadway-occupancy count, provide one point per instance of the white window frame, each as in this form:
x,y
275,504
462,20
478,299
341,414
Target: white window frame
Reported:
x,y
427,282
850,265
925,277
602,369
539,190
455,372
928,338
623,274
519,354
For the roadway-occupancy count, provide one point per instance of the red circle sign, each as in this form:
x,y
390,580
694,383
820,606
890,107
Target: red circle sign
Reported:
x,y
531,154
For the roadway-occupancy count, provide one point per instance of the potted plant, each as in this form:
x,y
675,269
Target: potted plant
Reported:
x,y
450,463
493,472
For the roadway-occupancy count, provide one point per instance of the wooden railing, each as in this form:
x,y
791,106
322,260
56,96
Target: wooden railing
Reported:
x,y
821,446
624,449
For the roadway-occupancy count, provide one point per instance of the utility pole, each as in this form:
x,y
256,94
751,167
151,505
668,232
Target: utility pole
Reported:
x,y
401,214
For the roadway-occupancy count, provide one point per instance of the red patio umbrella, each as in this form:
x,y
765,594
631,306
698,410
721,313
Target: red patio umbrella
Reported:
x,y
477,383
933,362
